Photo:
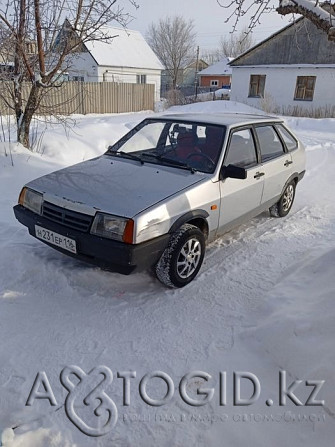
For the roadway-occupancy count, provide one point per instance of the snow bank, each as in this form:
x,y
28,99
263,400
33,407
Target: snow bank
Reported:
x,y
216,107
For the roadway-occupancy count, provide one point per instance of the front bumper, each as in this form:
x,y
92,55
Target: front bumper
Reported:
x,y
106,253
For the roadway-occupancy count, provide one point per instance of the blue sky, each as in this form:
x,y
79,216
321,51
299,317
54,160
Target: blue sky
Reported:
x,y
208,16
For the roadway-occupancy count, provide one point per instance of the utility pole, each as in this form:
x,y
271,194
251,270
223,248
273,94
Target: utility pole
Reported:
x,y
196,74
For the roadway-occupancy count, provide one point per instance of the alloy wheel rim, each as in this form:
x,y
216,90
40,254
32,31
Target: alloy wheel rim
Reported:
x,y
288,198
189,258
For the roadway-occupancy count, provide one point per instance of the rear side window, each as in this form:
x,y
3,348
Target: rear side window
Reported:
x,y
289,140
241,150
270,144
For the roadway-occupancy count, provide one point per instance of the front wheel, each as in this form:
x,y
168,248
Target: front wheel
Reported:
x,y
182,259
283,206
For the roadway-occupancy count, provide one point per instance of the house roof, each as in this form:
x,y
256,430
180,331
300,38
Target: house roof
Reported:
x,y
219,68
127,49
299,43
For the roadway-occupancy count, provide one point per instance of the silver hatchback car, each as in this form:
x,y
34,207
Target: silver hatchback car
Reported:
x,y
157,196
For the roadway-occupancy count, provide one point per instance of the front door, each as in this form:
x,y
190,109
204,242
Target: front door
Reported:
x,y
240,199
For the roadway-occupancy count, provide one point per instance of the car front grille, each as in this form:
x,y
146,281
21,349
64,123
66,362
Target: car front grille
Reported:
x,y
69,218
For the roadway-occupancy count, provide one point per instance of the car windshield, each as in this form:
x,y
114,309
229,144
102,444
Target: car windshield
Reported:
x,y
187,145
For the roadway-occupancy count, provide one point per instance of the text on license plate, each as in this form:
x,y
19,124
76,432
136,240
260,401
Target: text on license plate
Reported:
x,y
56,239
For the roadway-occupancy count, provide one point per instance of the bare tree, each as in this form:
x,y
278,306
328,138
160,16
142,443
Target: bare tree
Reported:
x,y
39,44
173,41
211,56
232,46
323,16
236,44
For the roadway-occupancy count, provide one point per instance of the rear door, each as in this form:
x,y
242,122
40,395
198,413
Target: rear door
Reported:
x,y
240,198
276,162
292,146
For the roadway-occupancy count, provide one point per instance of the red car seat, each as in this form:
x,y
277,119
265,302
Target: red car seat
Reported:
x,y
186,145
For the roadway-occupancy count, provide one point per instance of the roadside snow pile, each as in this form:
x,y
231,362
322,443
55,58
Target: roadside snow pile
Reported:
x,y
216,107
88,137
263,303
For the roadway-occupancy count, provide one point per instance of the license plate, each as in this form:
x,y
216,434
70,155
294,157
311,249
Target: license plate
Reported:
x,y
56,239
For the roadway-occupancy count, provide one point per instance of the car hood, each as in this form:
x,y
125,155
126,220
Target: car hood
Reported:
x,y
121,187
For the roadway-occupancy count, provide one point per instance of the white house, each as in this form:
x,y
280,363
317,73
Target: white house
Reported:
x,y
126,58
292,69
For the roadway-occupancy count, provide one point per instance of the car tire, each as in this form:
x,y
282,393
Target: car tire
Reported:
x,y
284,205
182,258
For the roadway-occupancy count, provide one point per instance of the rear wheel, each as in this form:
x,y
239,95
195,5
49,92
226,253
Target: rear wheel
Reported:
x,y
283,206
182,259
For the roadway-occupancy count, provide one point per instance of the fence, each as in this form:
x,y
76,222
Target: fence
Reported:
x,y
86,97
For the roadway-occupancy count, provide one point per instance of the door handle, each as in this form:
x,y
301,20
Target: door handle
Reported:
x,y
259,174
287,163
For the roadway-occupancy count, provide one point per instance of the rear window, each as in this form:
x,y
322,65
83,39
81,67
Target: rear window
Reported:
x,y
289,140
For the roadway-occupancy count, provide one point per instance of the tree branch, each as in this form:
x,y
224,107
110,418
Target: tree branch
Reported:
x,y
322,19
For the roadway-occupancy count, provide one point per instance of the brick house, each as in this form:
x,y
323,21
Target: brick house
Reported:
x,y
217,75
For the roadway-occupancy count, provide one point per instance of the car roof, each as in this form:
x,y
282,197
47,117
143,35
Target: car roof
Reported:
x,y
226,119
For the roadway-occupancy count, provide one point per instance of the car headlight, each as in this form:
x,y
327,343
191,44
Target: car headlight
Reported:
x,y
31,199
113,227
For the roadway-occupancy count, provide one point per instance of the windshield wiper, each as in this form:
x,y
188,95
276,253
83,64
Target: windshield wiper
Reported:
x,y
127,155
171,161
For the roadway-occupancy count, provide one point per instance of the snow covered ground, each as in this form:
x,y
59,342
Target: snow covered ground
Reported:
x,y
262,303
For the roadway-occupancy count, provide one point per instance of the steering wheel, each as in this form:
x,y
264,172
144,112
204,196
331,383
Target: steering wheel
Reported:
x,y
171,149
210,164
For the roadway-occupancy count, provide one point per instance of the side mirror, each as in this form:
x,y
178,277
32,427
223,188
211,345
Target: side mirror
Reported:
x,y
232,171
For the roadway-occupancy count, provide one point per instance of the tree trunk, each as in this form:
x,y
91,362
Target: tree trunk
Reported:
x,y
24,119
18,104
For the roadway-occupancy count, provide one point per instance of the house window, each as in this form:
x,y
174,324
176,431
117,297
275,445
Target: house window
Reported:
x,y
214,83
304,89
256,87
78,78
141,79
